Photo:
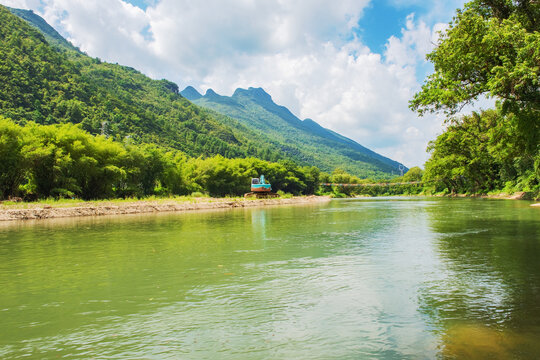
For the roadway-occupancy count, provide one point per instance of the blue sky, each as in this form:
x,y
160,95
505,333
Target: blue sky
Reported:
x,y
350,65
382,20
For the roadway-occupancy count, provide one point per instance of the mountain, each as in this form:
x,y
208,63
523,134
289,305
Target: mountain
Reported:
x,y
46,80
305,141
191,94
52,36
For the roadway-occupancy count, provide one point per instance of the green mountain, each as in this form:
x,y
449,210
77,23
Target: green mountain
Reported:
x,y
52,36
46,80
305,141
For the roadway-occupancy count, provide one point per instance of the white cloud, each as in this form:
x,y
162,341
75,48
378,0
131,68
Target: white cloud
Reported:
x,y
296,50
348,89
22,4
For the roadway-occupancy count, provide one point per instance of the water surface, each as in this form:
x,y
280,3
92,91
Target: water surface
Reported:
x,y
374,278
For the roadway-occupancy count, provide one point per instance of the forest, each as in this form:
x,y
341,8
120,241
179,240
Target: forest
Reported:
x,y
49,84
65,161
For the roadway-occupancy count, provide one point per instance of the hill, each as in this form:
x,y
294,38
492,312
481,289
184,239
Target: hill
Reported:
x,y
305,141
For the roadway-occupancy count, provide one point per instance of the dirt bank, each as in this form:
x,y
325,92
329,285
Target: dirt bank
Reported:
x,y
43,211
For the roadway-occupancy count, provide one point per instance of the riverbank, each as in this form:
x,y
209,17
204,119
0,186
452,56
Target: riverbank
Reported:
x,y
27,211
503,196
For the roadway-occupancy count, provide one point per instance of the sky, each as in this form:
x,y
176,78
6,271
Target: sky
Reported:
x,y
350,65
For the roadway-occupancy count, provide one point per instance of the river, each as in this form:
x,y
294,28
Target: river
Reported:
x,y
383,278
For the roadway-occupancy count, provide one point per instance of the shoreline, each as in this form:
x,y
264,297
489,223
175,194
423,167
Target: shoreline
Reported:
x,y
502,196
45,211
37,211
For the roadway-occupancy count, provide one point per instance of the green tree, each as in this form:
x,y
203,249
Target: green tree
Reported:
x,y
413,174
491,48
471,154
12,164
66,161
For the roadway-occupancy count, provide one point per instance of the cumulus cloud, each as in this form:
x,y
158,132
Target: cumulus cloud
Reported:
x,y
304,53
350,90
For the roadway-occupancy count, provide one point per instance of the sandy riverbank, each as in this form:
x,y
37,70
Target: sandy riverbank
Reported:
x,y
44,211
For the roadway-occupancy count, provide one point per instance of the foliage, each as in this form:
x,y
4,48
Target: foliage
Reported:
x,y
479,153
46,80
51,35
57,84
413,174
64,161
491,48
12,164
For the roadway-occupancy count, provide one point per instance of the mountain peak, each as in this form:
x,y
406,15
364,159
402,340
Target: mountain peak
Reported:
x,y
305,141
191,93
254,93
210,93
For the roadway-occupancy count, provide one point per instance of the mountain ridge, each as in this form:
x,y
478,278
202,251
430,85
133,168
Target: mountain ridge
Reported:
x,y
50,83
43,26
255,108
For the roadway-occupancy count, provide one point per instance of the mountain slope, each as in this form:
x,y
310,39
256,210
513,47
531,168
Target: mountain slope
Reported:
x,y
55,84
305,141
51,35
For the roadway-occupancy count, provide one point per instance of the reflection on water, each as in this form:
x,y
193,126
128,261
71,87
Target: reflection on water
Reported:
x,y
375,278
487,302
469,341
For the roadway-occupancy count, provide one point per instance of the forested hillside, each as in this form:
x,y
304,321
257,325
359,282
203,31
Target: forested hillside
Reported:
x,y
73,126
51,35
306,142
47,85
61,160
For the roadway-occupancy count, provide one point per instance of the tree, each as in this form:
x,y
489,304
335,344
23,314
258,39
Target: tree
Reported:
x,y
491,48
413,174
476,154
12,164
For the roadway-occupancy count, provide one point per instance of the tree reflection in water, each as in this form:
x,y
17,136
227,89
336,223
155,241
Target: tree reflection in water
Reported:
x,y
485,301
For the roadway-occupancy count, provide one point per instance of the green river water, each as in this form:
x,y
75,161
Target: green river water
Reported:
x,y
349,279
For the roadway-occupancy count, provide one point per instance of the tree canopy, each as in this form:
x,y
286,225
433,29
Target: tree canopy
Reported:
x,y
492,47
